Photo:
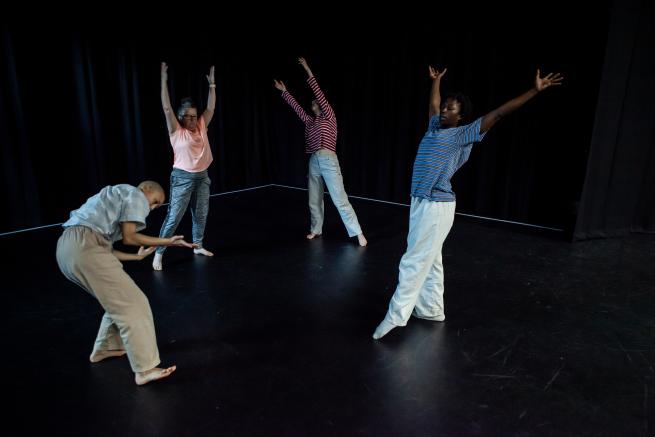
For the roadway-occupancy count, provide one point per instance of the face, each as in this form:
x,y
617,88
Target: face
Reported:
x,y
190,119
155,198
450,113
315,108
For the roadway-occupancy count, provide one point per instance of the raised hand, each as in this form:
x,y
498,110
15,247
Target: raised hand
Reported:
x,y
302,62
164,72
279,85
552,79
435,74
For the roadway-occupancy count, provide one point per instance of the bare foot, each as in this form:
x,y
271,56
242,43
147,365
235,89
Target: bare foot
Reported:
x,y
156,261
362,240
153,375
202,251
97,356
312,235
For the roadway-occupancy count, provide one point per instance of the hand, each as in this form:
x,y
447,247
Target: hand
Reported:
x,y
279,85
178,240
302,62
164,72
551,79
144,252
210,76
435,74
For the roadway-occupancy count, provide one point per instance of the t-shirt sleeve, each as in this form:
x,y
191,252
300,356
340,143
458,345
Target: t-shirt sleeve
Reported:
x,y
135,209
470,133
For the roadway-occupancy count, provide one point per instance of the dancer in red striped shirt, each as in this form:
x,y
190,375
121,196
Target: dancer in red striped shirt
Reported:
x,y
321,143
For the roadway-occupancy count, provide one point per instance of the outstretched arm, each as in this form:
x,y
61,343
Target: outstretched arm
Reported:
x,y
540,84
143,252
171,120
211,100
291,101
435,94
326,109
132,238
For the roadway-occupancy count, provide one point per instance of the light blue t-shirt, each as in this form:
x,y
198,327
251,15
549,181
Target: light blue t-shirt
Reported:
x,y
112,206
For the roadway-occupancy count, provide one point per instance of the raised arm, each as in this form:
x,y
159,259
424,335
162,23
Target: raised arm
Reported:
x,y
279,85
540,84
435,94
303,62
326,109
171,120
211,100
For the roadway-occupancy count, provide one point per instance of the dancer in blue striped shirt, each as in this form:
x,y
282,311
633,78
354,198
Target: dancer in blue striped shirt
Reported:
x,y
445,147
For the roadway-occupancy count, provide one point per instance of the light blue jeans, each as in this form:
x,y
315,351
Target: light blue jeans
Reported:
x,y
187,190
324,166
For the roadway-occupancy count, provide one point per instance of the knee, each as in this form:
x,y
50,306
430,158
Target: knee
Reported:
x,y
342,204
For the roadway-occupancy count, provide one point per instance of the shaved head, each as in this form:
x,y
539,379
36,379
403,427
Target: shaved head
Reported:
x,y
154,192
151,186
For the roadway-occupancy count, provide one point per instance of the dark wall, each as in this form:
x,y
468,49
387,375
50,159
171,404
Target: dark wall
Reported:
x,y
619,191
80,107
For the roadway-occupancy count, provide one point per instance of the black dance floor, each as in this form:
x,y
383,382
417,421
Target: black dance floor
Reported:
x,y
273,335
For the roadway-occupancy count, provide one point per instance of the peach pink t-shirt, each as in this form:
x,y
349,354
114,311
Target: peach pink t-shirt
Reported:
x,y
191,150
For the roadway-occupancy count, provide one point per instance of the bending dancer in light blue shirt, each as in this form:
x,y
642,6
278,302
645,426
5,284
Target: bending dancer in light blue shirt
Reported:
x,y
86,257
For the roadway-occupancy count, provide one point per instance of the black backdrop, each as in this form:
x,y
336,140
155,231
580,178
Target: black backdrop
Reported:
x,y
80,108
619,191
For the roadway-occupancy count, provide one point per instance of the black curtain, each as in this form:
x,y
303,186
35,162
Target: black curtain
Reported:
x,y
530,168
20,196
81,109
619,190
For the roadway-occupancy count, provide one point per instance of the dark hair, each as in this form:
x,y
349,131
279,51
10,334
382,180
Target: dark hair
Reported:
x,y
186,103
465,105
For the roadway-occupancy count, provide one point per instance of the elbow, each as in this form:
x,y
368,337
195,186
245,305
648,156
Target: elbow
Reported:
x,y
129,240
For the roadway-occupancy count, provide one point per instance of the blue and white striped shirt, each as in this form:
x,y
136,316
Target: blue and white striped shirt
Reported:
x,y
440,154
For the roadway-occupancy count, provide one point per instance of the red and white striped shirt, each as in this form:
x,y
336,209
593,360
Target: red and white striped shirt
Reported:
x,y
321,131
